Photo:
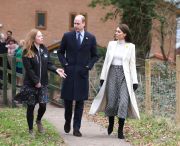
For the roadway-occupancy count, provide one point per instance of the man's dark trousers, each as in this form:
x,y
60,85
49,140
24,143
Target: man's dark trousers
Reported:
x,y
78,112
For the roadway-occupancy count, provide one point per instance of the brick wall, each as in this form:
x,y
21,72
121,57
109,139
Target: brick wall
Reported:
x,y
169,31
19,17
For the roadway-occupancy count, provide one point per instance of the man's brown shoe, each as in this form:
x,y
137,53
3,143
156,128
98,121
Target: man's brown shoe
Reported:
x,y
77,133
40,127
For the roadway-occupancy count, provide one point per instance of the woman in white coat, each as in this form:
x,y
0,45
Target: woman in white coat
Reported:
x,y
118,81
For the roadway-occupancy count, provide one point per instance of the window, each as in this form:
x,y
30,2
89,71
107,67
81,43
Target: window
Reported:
x,y
41,21
71,20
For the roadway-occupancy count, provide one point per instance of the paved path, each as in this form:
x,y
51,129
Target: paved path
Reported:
x,y
93,134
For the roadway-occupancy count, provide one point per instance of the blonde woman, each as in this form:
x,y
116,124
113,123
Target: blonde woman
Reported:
x,y
36,63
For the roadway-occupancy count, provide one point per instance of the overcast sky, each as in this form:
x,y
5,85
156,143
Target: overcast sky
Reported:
x,y
178,28
178,33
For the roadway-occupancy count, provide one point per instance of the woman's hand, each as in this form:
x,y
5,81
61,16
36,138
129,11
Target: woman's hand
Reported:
x,y
101,82
61,73
135,86
38,85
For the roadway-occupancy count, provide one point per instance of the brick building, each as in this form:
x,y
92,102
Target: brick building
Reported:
x,y
169,32
54,17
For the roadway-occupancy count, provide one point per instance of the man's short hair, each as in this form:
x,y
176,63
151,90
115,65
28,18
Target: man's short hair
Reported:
x,y
82,17
9,32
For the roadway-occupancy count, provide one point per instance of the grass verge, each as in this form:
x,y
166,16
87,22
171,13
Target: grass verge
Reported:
x,y
155,131
148,131
14,131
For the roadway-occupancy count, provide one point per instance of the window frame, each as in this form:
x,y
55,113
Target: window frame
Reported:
x,y
45,21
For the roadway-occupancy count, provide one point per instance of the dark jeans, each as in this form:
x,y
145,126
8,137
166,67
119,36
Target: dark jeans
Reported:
x,y
78,111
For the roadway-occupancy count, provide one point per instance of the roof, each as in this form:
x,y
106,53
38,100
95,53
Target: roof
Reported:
x,y
54,46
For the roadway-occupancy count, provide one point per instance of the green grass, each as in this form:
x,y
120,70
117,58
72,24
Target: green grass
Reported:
x,y
149,131
14,131
154,131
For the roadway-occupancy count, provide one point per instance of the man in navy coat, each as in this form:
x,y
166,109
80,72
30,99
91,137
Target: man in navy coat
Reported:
x,y
77,54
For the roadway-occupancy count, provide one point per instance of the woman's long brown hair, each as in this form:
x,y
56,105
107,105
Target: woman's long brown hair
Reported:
x,y
29,41
125,29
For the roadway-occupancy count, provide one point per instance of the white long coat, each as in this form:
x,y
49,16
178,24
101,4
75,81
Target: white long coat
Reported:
x,y
129,67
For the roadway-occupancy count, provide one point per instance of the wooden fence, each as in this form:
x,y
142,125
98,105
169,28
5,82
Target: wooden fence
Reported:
x,y
7,86
54,80
178,90
55,84
148,89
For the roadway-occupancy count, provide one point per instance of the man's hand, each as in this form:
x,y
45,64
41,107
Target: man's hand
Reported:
x,y
61,73
87,67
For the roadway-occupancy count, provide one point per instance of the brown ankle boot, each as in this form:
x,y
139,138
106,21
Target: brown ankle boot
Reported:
x,y
120,128
111,125
31,134
40,127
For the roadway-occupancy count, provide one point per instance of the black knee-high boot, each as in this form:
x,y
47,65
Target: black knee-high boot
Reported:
x,y
111,124
120,128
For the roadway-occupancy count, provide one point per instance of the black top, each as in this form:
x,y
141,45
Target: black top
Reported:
x,y
36,68
3,48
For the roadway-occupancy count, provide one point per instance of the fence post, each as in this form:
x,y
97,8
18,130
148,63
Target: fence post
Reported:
x,y
13,76
5,100
178,90
148,102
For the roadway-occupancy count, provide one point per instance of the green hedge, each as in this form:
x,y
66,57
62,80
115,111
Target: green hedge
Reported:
x,y
101,51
